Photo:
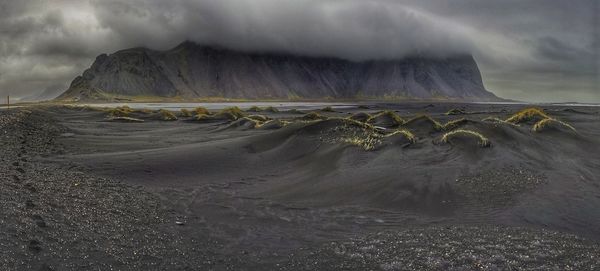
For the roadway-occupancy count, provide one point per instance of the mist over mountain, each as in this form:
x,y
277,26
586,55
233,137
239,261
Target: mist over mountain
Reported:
x,y
192,70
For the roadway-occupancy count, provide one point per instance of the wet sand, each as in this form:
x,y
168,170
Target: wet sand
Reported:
x,y
82,191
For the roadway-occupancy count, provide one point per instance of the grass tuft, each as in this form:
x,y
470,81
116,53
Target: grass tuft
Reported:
x,y
313,116
455,111
201,111
387,113
231,113
406,133
482,140
498,120
527,114
167,115
254,108
186,113
120,111
543,124
125,119
202,117
258,118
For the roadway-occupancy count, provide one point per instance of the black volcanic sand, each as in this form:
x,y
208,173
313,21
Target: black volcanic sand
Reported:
x,y
81,192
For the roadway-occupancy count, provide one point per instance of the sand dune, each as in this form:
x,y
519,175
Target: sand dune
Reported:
x,y
275,184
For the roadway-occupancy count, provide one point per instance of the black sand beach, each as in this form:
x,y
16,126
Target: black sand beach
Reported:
x,y
358,188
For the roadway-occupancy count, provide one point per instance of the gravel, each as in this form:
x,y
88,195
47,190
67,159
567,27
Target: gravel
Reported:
x,y
454,248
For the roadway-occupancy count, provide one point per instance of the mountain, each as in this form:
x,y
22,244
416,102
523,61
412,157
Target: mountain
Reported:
x,y
191,70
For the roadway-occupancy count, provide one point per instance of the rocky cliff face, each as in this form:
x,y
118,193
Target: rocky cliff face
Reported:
x,y
194,71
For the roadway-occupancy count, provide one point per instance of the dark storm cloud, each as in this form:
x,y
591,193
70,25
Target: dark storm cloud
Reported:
x,y
533,50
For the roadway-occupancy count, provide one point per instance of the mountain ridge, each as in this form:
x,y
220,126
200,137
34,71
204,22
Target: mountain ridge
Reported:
x,y
190,70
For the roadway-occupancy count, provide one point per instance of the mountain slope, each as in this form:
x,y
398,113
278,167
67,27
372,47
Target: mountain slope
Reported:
x,y
194,71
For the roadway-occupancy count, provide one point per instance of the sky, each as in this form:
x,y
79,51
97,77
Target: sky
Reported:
x,y
529,50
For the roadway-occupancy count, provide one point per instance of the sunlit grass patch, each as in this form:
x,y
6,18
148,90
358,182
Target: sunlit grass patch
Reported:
x,y
406,133
231,113
498,120
343,130
456,111
313,116
167,115
545,123
367,143
201,111
527,114
482,140
245,122
273,124
120,111
387,114
254,108
258,117
125,119
186,113
201,117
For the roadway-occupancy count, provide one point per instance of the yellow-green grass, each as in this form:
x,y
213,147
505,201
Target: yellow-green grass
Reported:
x,y
258,117
482,140
357,123
543,124
201,111
186,113
231,113
273,124
436,125
120,111
498,120
125,119
367,143
313,116
455,111
391,114
406,133
527,114
245,120
167,115
254,108
202,117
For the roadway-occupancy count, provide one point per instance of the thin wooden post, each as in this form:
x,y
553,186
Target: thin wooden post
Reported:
x,y
7,102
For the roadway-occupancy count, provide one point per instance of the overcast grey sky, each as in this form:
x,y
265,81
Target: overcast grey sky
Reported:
x,y
533,50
